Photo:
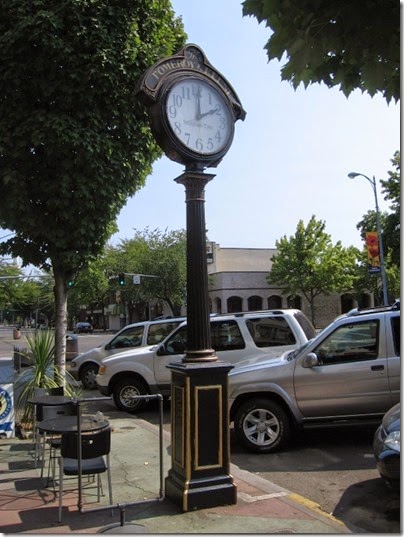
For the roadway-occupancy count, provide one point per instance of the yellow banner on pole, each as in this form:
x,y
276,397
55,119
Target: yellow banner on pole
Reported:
x,y
372,247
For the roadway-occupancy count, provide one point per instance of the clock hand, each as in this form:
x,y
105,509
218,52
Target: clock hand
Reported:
x,y
198,104
207,113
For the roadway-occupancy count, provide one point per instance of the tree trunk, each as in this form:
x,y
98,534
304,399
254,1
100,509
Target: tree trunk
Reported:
x,y
60,291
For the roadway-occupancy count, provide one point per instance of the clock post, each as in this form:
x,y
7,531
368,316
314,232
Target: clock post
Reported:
x,y
193,109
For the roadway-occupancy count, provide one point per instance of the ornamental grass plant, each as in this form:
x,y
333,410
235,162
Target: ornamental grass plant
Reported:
x,y
39,374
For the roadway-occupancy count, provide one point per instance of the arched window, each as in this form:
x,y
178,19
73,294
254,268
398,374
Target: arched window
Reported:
x,y
218,305
234,304
254,303
274,302
294,302
347,303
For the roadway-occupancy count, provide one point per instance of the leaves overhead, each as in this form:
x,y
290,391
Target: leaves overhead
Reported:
x,y
74,142
340,43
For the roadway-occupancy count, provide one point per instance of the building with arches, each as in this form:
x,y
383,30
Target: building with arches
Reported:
x,y
238,282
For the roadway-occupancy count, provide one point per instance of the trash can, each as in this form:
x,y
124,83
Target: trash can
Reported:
x,y
16,333
72,347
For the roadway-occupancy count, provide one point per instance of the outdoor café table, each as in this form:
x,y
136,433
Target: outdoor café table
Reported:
x,y
72,424
68,424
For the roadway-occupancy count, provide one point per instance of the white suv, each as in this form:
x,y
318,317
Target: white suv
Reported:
x,y
85,366
235,338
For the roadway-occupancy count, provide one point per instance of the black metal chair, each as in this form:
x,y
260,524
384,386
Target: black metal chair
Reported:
x,y
95,450
54,442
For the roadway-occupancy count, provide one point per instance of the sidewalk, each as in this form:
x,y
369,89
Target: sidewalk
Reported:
x,y
262,507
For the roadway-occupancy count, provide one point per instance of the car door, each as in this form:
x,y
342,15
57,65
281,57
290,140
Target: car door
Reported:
x,y
393,339
351,376
171,350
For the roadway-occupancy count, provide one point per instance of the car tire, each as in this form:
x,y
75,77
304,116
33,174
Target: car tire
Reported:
x,y
87,376
262,426
124,390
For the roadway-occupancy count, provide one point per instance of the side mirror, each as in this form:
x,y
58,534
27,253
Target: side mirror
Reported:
x,y
310,360
161,351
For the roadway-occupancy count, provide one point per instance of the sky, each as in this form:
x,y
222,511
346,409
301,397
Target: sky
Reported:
x,y
290,157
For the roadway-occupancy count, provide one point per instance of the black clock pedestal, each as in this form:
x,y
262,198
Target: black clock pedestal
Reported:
x,y
199,477
200,434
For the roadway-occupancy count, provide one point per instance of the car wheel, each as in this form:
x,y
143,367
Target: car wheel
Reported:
x,y
87,376
262,426
123,394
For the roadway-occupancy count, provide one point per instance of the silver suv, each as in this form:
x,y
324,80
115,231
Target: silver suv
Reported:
x,y
85,366
235,337
350,372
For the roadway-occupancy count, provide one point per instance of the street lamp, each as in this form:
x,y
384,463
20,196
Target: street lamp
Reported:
x,y
352,175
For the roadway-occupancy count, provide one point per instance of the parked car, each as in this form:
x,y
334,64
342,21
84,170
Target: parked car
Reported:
x,y
235,337
386,447
83,328
349,372
85,366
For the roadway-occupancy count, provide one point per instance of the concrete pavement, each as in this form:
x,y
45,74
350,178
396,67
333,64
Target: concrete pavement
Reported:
x,y
26,506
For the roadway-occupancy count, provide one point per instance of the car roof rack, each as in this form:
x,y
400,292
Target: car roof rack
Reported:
x,y
375,309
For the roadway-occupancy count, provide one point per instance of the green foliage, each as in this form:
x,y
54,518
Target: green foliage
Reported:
x,y
341,43
160,254
390,222
391,187
309,264
74,141
40,373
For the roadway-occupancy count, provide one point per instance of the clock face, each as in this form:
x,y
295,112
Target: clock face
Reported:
x,y
199,116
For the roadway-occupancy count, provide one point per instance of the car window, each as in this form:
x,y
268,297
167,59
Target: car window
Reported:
x,y
395,327
270,331
132,337
350,343
305,324
159,331
178,342
226,336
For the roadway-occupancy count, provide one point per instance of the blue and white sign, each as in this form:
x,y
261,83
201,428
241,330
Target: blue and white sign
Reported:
x,y
7,417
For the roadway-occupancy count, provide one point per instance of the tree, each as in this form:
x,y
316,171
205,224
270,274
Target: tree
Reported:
x,y
391,229
74,141
390,225
309,264
160,254
341,43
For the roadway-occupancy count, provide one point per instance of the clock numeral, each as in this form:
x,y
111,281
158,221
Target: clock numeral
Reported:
x,y
209,145
218,137
177,100
222,123
199,144
177,128
186,92
172,111
187,136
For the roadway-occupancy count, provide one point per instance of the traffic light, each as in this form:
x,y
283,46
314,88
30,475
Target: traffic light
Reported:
x,y
121,279
69,284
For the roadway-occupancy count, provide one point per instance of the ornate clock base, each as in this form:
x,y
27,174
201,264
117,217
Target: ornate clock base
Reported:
x,y
199,477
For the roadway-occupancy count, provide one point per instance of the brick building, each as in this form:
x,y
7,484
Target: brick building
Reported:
x,y
238,282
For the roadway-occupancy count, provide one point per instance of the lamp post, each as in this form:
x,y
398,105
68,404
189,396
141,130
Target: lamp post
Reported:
x,y
352,175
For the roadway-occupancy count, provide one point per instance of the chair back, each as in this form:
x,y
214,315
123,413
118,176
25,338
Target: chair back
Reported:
x,y
59,390
94,444
54,411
